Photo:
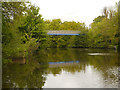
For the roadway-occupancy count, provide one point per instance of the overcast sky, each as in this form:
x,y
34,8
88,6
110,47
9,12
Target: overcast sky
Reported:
x,y
72,10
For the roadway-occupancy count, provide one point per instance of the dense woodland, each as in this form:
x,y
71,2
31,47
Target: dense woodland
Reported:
x,y
24,30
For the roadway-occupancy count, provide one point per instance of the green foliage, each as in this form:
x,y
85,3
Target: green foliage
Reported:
x,y
118,26
81,41
98,19
6,61
33,25
104,29
23,29
56,24
53,25
72,26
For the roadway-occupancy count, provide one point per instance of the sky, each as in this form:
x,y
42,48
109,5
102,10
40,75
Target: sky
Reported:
x,y
72,10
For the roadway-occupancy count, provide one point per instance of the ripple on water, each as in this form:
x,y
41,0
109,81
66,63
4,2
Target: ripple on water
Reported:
x,y
99,54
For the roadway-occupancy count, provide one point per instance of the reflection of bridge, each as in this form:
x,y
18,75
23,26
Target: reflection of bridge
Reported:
x,y
60,64
63,32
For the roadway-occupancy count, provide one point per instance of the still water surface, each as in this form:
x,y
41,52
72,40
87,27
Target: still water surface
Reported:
x,y
64,68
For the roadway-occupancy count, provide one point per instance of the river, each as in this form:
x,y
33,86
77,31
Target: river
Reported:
x,y
64,68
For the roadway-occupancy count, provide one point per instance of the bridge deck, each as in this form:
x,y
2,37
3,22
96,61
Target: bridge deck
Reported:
x,y
63,32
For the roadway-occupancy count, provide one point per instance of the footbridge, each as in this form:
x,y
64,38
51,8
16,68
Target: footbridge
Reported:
x,y
63,32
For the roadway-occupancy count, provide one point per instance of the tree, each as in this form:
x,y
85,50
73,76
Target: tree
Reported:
x,y
105,12
98,19
47,24
55,24
104,29
23,29
12,18
72,25
119,26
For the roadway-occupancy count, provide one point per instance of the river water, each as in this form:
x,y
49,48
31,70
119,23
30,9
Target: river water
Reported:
x,y
64,68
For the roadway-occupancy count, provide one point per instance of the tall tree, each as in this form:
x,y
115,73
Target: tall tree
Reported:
x,y
55,24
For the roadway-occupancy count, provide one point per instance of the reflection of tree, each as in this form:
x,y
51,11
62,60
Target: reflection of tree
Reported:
x,y
59,54
68,67
35,79
29,75
55,70
56,55
32,74
26,76
107,65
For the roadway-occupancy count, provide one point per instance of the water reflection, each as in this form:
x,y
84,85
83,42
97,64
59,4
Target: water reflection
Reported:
x,y
99,53
90,71
29,75
87,78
